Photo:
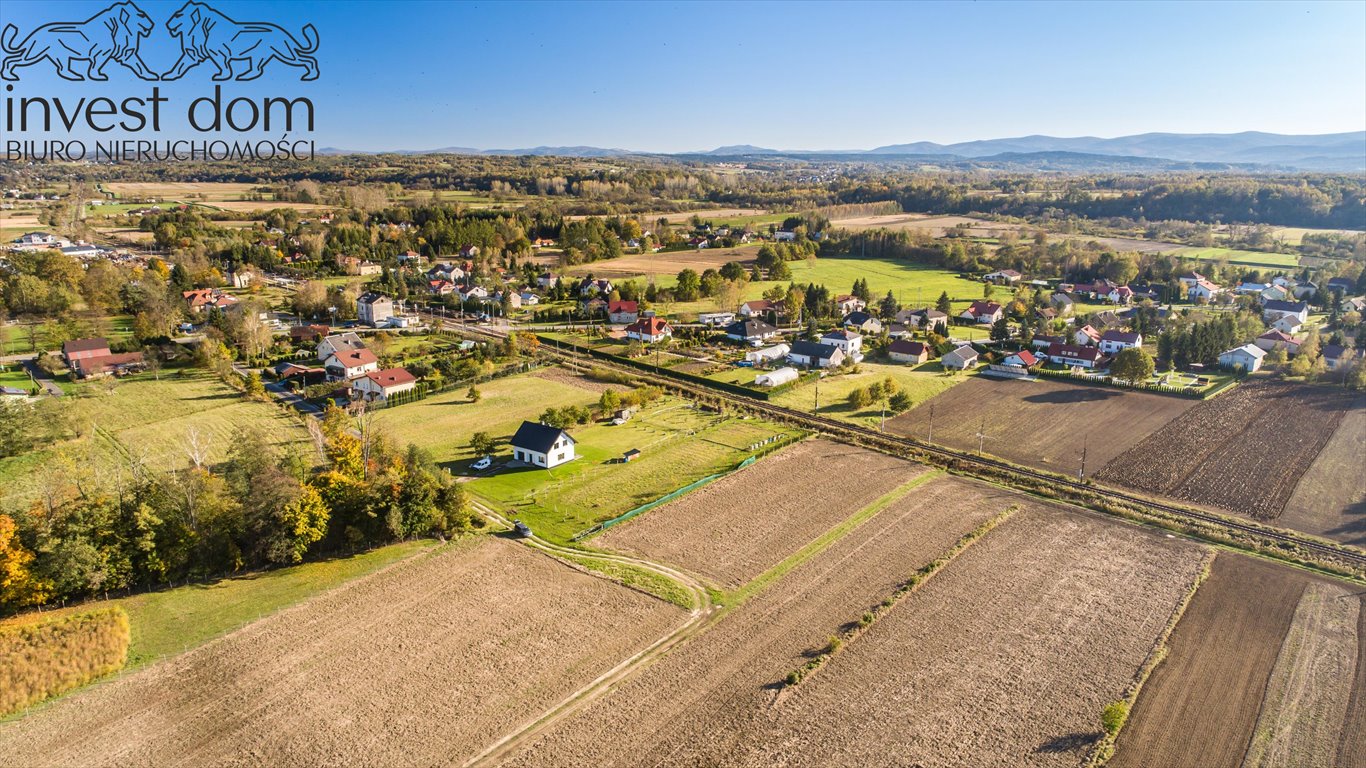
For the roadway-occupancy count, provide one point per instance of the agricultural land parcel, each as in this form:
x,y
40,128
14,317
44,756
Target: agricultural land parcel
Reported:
x,y
1263,670
1004,658
735,528
705,699
1244,450
1044,424
1327,501
468,641
147,420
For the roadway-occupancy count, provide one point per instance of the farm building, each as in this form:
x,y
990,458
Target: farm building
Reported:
x,y
348,364
1079,356
716,319
750,331
768,354
649,330
1003,276
84,349
340,342
374,309
381,385
903,351
623,311
986,312
1111,342
776,377
631,455
542,445
1247,357
815,355
960,359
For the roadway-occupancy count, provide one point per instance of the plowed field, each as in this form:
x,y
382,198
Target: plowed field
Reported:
x,y
424,663
735,528
1245,450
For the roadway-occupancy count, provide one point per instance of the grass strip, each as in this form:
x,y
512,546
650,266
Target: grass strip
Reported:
x,y
641,579
839,642
1117,713
822,542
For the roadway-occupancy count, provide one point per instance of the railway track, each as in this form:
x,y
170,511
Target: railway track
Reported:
x,y
899,443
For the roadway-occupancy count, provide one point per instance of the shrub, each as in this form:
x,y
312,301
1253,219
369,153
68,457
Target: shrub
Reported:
x,y
39,661
834,645
1114,715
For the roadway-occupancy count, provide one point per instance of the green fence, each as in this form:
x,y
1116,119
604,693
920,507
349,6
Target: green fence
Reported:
x,y
665,499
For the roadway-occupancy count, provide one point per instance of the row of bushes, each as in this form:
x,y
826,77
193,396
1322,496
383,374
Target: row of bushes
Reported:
x,y
870,616
39,661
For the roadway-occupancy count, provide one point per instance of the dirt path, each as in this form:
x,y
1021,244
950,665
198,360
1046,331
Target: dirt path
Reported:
x,y
702,612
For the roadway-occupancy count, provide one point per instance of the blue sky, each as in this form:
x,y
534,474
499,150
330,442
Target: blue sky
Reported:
x,y
671,76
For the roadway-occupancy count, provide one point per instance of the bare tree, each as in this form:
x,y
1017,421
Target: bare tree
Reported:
x,y
197,446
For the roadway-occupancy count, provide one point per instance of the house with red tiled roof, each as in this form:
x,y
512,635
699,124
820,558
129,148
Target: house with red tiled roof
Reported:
x,y
986,312
347,364
620,311
382,385
649,330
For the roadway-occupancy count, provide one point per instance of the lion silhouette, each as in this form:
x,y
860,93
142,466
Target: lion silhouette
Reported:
x,y
113,34
207,35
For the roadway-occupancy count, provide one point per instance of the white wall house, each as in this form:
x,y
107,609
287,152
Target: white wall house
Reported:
x,y
542,445
850,342
1248,357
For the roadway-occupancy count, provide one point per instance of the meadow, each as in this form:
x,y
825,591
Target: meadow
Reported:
x,y
1253,259
921,382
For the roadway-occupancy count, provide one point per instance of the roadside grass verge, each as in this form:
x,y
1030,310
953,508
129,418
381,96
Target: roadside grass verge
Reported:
x,y
841,641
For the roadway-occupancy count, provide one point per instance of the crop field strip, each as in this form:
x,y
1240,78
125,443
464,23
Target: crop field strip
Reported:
x,y
789,502
466,641
1322,503
1355,558
707,697
1200,706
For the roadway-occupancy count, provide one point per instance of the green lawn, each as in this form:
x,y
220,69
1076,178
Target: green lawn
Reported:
x,y
679,444
174,620
921,381
14,338
1253,259
13,376
444,424
142,418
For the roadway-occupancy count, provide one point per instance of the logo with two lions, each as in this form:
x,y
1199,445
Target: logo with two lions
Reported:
x,y
81,50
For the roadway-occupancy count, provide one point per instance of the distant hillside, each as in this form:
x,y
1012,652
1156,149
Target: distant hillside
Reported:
x,y
1251,150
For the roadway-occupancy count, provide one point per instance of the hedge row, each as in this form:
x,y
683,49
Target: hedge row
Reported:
x,y
1198,394
39,661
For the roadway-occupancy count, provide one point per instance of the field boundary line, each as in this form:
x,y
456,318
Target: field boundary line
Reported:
x,y
911,585
1104,749
827,539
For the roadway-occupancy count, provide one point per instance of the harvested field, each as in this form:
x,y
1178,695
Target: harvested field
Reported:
x,y
1201,704
937,226
1325,501
1044,423
1352,751
700,704
423,663
1311,684
668,263
1222,452
1130,244
562,375
743,524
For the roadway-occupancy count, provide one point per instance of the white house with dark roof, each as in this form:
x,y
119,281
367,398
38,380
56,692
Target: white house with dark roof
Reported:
x,y
1111,342
542,445
750,331
960,359
850,342
815,355
1247,357
339,342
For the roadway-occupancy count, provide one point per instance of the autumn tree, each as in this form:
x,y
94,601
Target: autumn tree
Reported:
x,y
1133,365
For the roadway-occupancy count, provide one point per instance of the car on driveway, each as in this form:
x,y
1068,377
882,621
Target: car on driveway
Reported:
x,y
482,464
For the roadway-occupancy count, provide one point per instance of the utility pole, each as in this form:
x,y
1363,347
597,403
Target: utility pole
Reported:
x,y
981,435
930,439
818,393
1081,473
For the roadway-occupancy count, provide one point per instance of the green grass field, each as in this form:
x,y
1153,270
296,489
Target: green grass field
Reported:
x,y
14,338
679,444
1295,235
142,418
1253,259
444,424
174,620
921,381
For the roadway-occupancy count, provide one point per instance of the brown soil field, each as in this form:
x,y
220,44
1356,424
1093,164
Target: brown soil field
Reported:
x,y
127,235
1245,450
1311,684
1200,705
1005,658
1044,423
668,263
700,704
937,226
563,376
739,526
1352,751
423,663
1326,501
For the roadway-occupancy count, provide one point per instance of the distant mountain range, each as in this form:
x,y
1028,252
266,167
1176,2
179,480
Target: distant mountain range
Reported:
x,y
1251,150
